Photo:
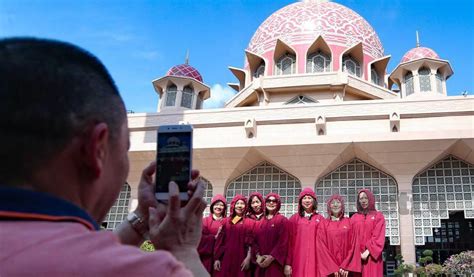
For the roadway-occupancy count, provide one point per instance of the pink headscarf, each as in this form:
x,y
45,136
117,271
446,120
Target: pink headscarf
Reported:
x,y
337,197
371,197
217,198
277,197
234,201
307,191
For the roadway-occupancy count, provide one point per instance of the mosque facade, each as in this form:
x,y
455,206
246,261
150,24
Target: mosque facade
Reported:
x,y
315,106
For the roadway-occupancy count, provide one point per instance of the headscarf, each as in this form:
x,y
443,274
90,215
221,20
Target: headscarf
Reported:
x,y
371,198
307,191
232,205
250,211
215,199
278,202
337,197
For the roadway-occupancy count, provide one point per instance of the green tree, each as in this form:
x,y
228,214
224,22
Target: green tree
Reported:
x,y
403,269
434,270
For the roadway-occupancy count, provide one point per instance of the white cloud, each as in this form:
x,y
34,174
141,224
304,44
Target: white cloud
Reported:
x,y
147,55
219,96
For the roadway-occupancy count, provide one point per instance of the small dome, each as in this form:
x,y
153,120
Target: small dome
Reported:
x,y
419,53
302,22
173,141
185,70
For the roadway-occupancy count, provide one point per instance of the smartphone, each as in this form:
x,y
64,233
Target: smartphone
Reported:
x,y
173,160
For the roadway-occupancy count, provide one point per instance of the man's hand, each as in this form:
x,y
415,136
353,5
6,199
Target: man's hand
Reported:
x,y
146,190
287,270
177,228
146,199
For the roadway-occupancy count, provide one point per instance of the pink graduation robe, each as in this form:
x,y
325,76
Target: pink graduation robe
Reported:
x,y
302,242
370,229
258,220
233,243
271,238
210,227
337,244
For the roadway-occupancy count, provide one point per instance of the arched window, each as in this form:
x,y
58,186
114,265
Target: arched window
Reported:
x,y
260,71
351,66
187,99
286,64
445,187
374,76
119,211
318,62
349,178
207,195
300,99
409,87
266,178
171,95
425,84
439,82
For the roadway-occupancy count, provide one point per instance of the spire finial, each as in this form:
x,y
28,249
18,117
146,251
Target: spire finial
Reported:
x,y
186,61
417,39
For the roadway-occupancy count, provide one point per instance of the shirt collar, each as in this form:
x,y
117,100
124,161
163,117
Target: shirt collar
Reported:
x,y
22,204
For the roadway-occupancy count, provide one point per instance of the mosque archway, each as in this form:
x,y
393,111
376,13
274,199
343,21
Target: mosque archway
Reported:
x,y
349,178
443,208
266,178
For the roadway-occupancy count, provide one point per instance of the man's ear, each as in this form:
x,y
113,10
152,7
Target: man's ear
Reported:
x,y
95,149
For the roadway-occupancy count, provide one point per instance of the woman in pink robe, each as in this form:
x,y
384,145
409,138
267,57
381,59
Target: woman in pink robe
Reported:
x,y
337,243
210,228
369,224
232,253
256,205
302,260
271,239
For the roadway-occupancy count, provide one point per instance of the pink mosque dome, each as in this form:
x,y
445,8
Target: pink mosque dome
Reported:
x,y
419,53
185,70
302,22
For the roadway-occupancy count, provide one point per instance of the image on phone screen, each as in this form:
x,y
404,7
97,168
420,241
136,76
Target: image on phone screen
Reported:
x,y
173,162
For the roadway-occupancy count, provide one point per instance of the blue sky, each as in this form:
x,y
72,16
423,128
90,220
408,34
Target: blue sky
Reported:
x,y
140,40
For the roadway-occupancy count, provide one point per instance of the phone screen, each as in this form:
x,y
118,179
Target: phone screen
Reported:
x,y
173,160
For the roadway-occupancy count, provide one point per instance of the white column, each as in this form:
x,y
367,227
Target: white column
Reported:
x,y
161,101
195,96
433,85
218,186
179,96
443,83
407,240
416,81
